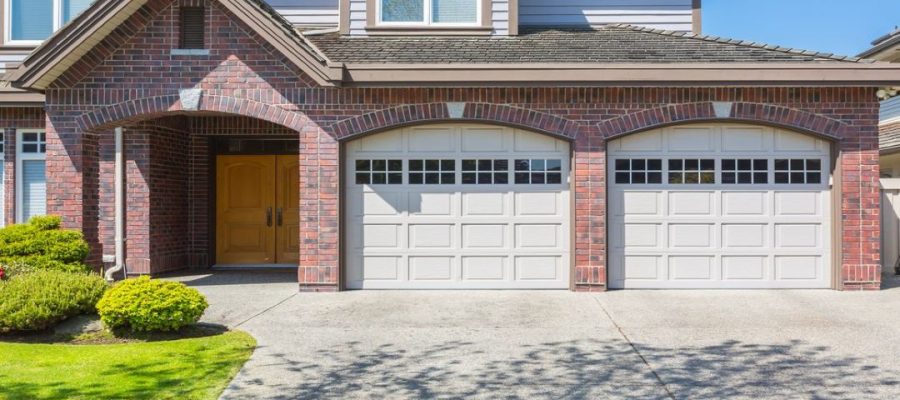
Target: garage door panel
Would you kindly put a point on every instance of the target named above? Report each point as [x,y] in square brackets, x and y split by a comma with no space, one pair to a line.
[691,203]
[744,203]
[804,236]
[431,268]
[546,268]
[429,236]
[692,235]
[484,268]
[507,229]
[736,236]
[542,203]
[440,204]
[798,203]
[484,204]
[484,236]
[764,232]
[691,139]
[744,267]
[691,267]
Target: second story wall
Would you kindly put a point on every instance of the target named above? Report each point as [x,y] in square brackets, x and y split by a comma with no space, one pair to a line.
[309,13]
[676,15]
[496,15]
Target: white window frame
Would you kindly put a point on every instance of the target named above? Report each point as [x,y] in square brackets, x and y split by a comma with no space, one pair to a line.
[427,17]
[21,157]
[7,34]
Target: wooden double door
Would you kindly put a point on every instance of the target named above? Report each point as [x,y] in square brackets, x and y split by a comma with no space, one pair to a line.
[257,209]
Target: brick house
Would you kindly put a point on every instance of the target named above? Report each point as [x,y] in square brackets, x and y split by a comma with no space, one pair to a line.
[422,144]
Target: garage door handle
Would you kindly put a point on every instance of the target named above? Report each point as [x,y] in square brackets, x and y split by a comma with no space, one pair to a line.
[279,217]
[269,217]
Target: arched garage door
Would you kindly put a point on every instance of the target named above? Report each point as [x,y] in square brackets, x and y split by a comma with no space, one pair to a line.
[457,206]
[719,206]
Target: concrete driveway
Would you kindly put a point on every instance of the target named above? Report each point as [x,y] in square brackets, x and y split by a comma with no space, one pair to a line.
[551,344]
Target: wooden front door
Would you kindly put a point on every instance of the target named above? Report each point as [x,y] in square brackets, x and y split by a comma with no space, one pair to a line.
[257,201]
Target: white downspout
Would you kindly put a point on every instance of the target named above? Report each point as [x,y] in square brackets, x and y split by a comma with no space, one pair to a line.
[119,207]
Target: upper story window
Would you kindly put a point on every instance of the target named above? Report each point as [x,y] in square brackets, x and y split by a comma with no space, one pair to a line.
[429,12]
[32,21]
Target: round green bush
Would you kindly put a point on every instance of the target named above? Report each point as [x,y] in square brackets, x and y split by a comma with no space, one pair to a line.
[145,304]
[42,245]
[37,300]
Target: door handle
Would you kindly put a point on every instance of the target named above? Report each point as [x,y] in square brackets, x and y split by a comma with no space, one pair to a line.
[269,217]
[279,217]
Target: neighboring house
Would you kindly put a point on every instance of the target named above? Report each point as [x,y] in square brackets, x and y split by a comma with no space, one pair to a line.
[447,144]
[887,49]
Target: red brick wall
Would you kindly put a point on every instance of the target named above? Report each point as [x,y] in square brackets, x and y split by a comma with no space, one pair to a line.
[244,76]
[12,119]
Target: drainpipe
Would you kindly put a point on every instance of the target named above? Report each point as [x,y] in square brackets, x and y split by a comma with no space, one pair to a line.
[119,207]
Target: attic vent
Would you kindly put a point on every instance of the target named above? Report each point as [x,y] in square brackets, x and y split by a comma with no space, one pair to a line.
[192,28]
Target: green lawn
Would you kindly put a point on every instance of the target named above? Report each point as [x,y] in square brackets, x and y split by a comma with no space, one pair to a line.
[195,368]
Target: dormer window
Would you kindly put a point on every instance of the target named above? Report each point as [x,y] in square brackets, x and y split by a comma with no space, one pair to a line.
[429,12]
[28,22]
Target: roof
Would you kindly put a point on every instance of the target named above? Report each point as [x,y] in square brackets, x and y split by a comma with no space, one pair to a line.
[882,44]
[610,44]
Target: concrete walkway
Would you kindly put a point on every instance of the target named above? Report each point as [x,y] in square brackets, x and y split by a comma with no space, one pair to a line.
[552,344]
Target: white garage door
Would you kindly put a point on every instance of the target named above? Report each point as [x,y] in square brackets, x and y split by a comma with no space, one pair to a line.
[719,206]
[457,207]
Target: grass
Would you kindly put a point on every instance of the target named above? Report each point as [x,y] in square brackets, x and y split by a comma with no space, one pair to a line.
[197,367]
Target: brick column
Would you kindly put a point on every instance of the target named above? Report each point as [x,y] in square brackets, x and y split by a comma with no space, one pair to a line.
[590,211]
[860,210]
[319,204]
[9,175]
[73,179]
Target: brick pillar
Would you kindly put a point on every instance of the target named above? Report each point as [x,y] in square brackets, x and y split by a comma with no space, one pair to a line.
[860,210]
[590,211]
[73,179]
[9,175]
[319,222]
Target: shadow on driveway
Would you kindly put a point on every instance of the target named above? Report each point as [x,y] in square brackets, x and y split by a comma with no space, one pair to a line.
[579,370]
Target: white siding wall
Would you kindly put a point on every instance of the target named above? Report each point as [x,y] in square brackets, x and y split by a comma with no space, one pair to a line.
[312,13]
[660,14]
[10,60]
[890,109]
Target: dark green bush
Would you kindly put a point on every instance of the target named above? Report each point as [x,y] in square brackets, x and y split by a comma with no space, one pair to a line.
[38,300]
[41,245]
[145,304]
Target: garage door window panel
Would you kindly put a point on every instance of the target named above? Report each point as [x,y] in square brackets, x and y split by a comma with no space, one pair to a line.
[745,171]
[485,172]
[538,171]
[379,172]
[432,172]
[692,171]
[798,171]
[638,171]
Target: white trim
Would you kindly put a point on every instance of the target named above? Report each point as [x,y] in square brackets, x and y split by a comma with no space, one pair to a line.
[427,17]
[20,158]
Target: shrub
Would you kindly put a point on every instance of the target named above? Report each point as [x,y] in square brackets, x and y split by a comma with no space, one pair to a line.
[38,300]
[41,245]
[145,305]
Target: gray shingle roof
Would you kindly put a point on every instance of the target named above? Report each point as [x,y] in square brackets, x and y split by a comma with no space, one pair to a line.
[610,44]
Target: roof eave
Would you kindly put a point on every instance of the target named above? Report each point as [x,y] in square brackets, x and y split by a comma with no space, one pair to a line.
[712,74]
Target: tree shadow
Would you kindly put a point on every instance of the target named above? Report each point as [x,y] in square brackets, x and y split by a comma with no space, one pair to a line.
[242,277]
[582,369]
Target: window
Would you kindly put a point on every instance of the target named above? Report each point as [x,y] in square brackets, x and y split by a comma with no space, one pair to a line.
[429,12]
[745,171]
[432,172]
[31,192]
[485,172]
[638,171]
[692,171]
[798,171]
[379,172]
[32,21]
[192,28]
[538,171]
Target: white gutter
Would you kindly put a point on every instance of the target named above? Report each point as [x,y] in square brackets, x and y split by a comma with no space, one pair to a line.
[119,207]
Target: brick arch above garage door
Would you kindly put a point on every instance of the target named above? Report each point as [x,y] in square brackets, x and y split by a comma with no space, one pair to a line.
[740,112]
